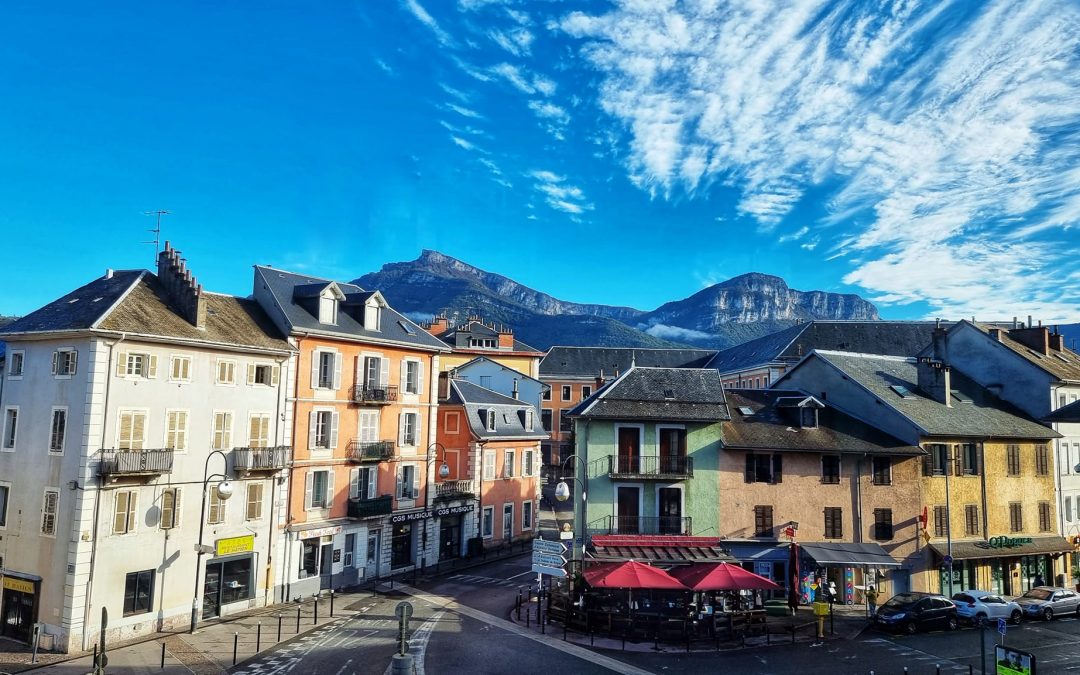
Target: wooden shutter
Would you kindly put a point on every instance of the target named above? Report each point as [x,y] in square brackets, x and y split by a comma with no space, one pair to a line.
[749,473]
[55,362]
[251,373]
[73,367]
[401,428]
[398,481]
[275,375]
[312,419]
[315,359]
[138,430]
[133,501]
[254,427]
[384,372]
[151,366]
[958,460]
[778,468]
[420,378]
[309,478]
[404,375]
[121,364]
[336,383]
[415,483]
[333,430]
[120,508]
[354,483]
[372,482]
[330,488]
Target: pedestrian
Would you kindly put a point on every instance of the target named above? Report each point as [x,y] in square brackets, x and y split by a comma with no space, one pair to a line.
[871,600]
[1039,580]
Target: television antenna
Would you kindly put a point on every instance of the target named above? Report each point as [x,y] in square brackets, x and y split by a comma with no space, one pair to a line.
[156,230]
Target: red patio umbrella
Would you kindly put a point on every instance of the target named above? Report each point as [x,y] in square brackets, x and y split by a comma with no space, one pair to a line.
[720,577]
[631,574]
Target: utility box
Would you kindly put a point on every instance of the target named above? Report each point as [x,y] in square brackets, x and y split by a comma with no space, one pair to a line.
[821,609]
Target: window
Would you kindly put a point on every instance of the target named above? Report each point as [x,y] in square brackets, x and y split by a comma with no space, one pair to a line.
[1016,517]
[369,426]
[883,528]
[136,364]
[263,374]
[309,558]
[1044,516]
[180,368]
[763,521]
[408,429]
[808,418]
[226,372]
[176,425]
[941,521]
[375,372]
[509,457]
[411,380]
[586,391]
[5,493]
[566,392]
[452,423]
[63,362]
[546,394]
[49,503]
[1013,454]
[764,468]
[132,432]
[528,419]
[882,470]
[936,463]
[967,460]
[319,491]
[328,308]
[484,343]
[565,423]
[508,521]
[124,511]
[1068,511]
[485,381]
[971,520]
[545,419]
[350,548]
[527,468]
[1042,460]
[327,369]
[830,469]
[490,421]
[362,483]
[215,513]
[139,592]
[222,431]
[11,427]
[57,429]
[259,430]
[408,482]
[16,361]
[372,315]
[254,501]
[489,465]
[526,516]
[834,522]
[170,507]
[324,429]
[488,522]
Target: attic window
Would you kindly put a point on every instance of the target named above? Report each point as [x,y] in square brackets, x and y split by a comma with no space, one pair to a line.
[1035,353]
[407,328]
[902,391]
[745,410]
[328,309]
[491,420]
[808,418]
[372,315]
[669,394]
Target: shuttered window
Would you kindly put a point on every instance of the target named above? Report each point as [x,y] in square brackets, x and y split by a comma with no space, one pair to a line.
[49,504]
[216,513]
[882,470]
[124,511]
[1042,460]
[180,368]
[226,372]
[57,430]
[834,522]
[176,425]
[259,430]
[170,504]
[64,362]
[763,521]
[764,468]
[254,501]
[509,461]
[1016,517]
[223,422]
[941,521]
[136,364]
[1044,516]
[132,433]
[830,469]
[883,527]
[936,462]
[324,430]
[971,520]
[1012,453]
[967,459]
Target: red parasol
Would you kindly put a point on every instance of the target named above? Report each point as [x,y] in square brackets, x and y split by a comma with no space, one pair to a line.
[721,577]
[631,574]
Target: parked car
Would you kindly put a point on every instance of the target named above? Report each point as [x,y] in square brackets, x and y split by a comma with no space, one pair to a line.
[911,612]
[977,606]
[1046,602]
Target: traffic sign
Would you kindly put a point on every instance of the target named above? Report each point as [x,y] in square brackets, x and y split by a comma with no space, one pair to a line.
[550,547]
[548,560]
[570,535]
[1001,626]
[948,560]
[550,571]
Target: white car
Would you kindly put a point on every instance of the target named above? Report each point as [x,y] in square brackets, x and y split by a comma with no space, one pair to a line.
[977,606]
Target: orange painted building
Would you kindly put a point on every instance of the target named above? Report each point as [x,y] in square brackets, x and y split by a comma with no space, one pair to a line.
[363,411]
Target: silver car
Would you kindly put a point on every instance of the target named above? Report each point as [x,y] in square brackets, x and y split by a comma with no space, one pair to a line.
[1046,602]
[978,606]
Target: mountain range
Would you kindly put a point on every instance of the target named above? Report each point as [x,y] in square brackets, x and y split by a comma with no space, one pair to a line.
[727,313]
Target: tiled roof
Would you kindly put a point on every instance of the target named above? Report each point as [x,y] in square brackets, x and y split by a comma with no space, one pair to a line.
[80,309]
[688,394]
[979,414]
[1068,413]
[479,402]
[1063,364]
[282,286]
[891,338]
[589,361]
[770,426]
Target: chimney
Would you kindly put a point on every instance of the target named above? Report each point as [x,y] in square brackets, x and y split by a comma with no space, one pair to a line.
[1057,340]
[599,380]
[181,287]
[941,349]
[108,273]
[439,325]
[506,338]
[934,374]
[1035,337]
[514,393]
[995,333]
[444,386]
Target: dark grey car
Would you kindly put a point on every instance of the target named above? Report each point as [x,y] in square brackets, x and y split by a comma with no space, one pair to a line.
[1046,602]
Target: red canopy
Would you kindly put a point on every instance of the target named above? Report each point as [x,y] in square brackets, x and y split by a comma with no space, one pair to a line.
[720,577]
[631,574]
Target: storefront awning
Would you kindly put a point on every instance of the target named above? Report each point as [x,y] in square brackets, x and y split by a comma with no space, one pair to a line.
[841,554]
[659,549]
[1002,547]
[758,551]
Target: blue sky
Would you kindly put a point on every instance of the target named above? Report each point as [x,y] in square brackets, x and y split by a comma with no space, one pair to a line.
[924,155]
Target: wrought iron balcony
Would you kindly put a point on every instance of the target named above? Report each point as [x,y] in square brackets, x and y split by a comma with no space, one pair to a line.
[261,459]
[115,463]
[370,508]
[455,489]
[633,467]
[673,525]
[369,451]
[374,394]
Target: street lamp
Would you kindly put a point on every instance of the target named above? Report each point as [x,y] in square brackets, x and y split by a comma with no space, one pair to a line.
[444,473]
[224,490]
[562,493]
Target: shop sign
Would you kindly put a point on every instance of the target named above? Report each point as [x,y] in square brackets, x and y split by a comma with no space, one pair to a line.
[233,545]
[410,517]
[1008,542]
[20,585]
[424,515]
[320,532]
[454,510]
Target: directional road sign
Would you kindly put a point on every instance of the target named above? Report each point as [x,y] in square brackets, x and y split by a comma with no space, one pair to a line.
[550,571]
[548,560]
[550,547]
[1001,626]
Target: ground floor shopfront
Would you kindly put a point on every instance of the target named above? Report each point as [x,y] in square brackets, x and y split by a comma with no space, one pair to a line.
[19,595]
[1007,566]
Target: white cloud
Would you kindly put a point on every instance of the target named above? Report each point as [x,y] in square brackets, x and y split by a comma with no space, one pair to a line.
[462,143]
[384,66]
[423,17]
[518,41]
[558,193]
[464,112]
[666,332]
[456,93]
[794,236]
[524,81]
[929,127]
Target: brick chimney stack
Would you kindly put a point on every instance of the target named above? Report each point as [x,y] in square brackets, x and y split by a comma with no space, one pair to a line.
[183,290]
[506,337]
[439,325]
[1035,337]
[935,377]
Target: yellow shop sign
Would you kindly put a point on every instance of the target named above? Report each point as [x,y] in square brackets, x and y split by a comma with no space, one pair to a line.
[20,585]
[234,545]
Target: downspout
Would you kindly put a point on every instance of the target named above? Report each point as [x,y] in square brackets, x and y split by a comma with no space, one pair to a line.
[97,495]
[279,441]
[286,583]
[858,499]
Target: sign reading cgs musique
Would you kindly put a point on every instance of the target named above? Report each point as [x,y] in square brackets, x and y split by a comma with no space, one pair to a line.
[434,513]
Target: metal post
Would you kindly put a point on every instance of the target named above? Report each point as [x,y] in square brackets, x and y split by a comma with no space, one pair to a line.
[315,604]
[235,646]
[163,656]
[528,618]
[97,668]
[331,603]
[948,516]
[258,637]
[982,646]
[279,627]
[298,619]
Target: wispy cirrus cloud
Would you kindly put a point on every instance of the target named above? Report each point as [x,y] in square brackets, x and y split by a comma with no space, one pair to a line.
[558,193]
[943,131]
[463,111]
[422,15]
[523,80]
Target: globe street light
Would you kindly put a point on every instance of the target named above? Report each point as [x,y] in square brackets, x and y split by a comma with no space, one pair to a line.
[223,490]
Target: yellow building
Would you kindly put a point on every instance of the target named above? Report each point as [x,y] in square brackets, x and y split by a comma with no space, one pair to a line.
[475,338]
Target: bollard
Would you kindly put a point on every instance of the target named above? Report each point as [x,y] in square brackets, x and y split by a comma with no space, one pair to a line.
[938,670]
[331,603]
[258,636]
[279,628]
[235,646]
[298,619]
[315,603]
[528,618]
[163,656]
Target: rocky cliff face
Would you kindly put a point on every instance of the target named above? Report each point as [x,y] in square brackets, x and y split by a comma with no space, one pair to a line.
[719,316]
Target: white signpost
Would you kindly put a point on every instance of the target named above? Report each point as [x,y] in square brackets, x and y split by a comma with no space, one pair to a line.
[548,558]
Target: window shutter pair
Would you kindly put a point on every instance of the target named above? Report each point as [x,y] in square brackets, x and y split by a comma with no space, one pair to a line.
[124,514]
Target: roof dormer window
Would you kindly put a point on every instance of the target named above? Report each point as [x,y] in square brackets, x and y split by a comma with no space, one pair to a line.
[491,422]
[808,417]
[328,309]
[372,314]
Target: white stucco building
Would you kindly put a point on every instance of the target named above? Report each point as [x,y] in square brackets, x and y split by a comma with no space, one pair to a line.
[116,398]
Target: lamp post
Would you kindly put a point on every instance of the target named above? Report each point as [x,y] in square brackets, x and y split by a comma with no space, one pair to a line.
[480,502]
[562,493]
[948,517]
[444,472]
[224,490]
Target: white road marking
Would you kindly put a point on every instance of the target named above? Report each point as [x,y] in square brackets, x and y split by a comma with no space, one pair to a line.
[521,575]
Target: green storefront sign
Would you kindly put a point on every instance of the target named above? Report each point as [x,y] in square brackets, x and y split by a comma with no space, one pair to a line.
[1008,542]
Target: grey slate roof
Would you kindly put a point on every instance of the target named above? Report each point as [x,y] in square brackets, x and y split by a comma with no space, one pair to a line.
[478,329]
[1063,364]
[80,309]
[1068,413]
[891,338]
[589,361]
[984,416]
[282,286]
[684,394]
[479,402]
[772,425]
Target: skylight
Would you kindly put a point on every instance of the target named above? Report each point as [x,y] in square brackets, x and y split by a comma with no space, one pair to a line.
[901,390]
[669,393]
[407,328]
[746,410]
[1035,353]
[959,396]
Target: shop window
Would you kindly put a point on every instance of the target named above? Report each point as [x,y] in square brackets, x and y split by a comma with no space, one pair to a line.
[830,469]
[1012,454]
[401,545]
[834,522]
[764,468]
[941,521]
[1016,517]
[235,578]
[883,525]
[139,592]
[1042,460]
[882,470]
[971,520]
[350,547]
[309,558]
[763,521]
[1044,516]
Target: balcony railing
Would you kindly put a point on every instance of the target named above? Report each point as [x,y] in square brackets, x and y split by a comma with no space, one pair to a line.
[635,466]
[136,462]
[370,508]
[260,459]
[454,489]
[369,451]
[374,395]
[674,525]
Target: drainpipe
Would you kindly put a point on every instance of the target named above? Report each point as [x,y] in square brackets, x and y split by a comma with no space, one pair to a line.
[97,495]
[286,584]
[278,441]
[857,479]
